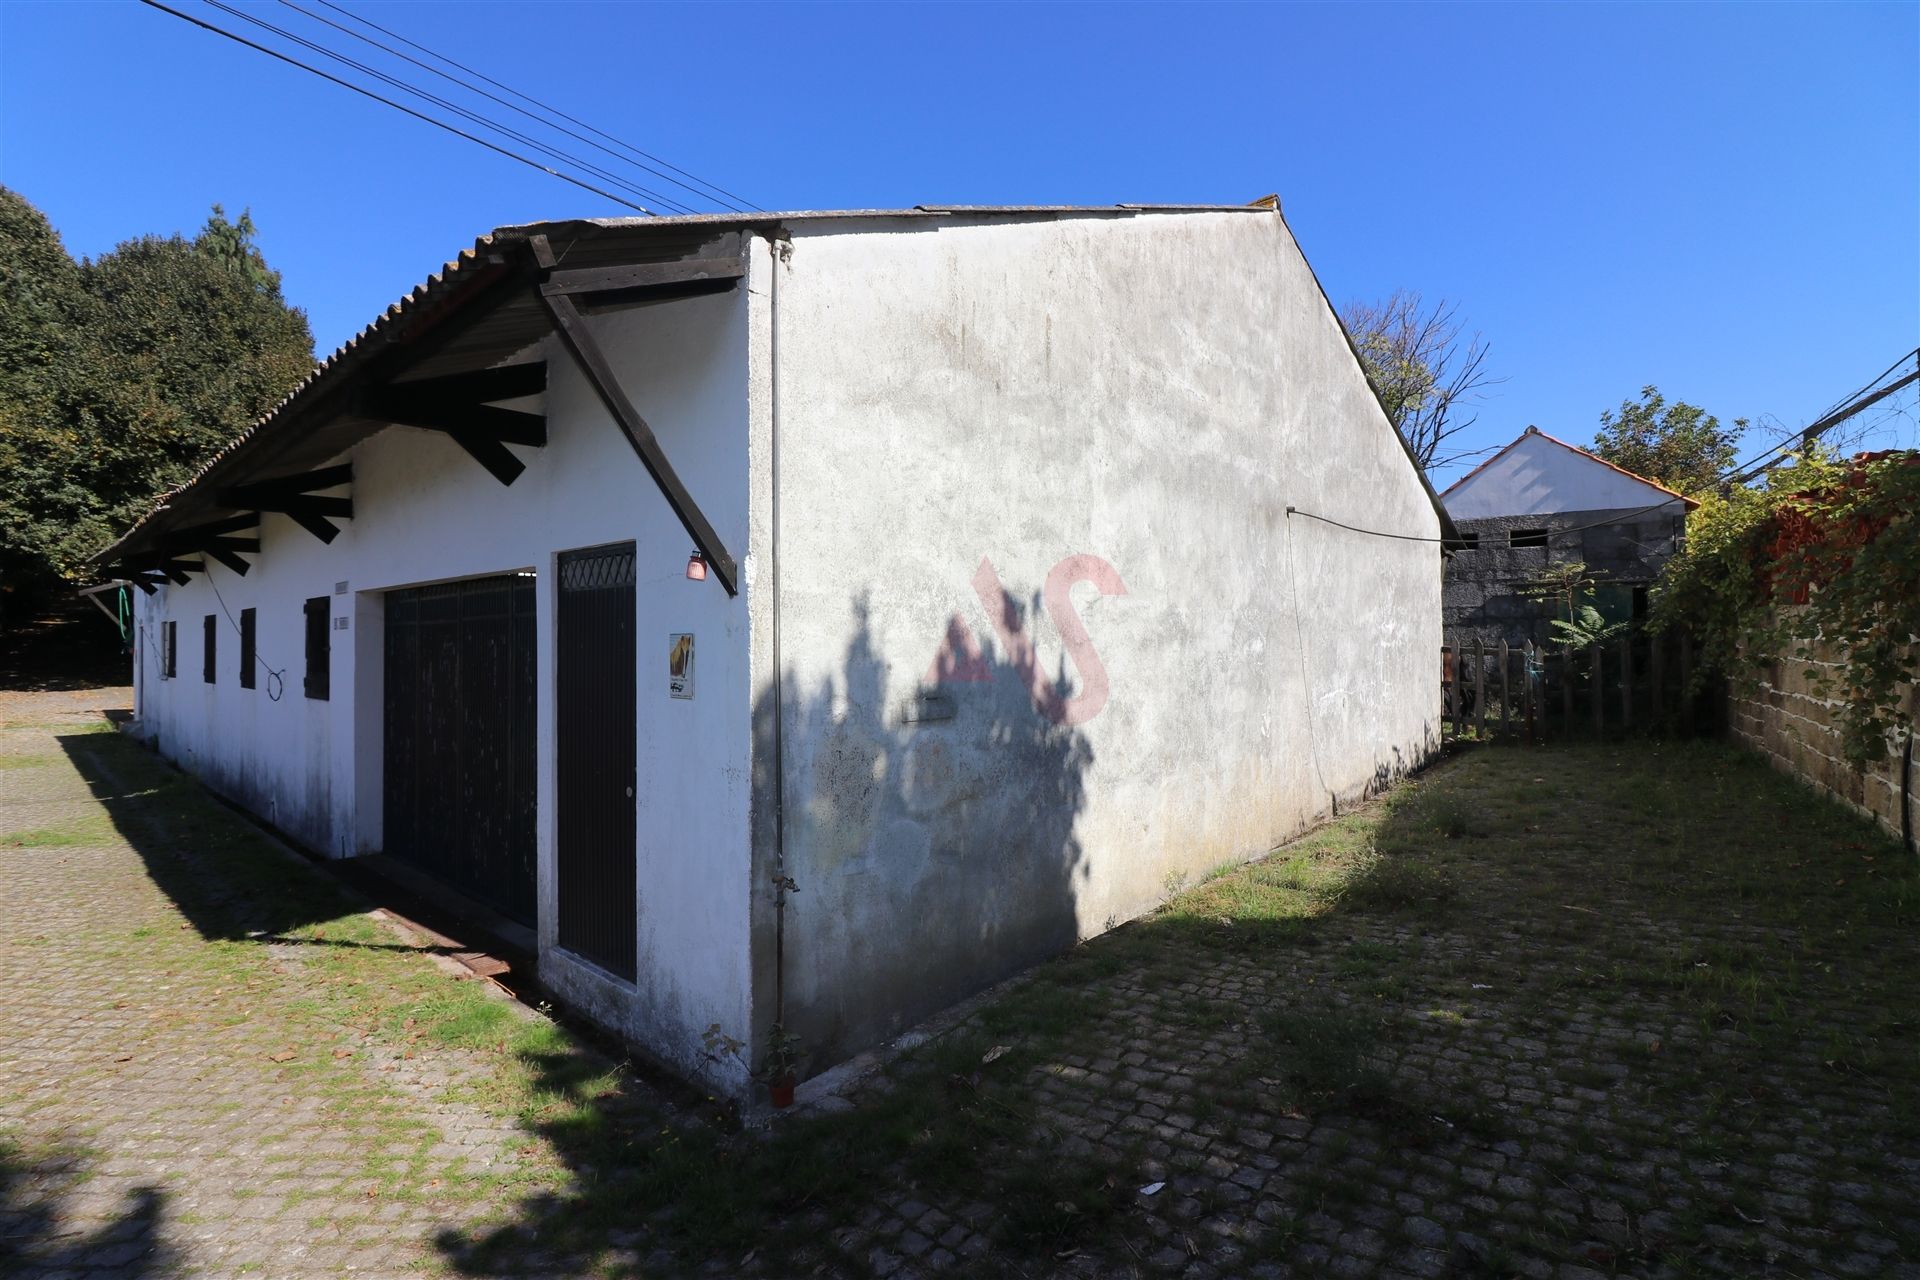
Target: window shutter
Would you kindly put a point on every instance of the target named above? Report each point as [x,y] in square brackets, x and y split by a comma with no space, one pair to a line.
[319,642]
[206,649]
[246,648]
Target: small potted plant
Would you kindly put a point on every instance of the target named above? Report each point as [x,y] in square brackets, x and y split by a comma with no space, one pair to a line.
[780,1064]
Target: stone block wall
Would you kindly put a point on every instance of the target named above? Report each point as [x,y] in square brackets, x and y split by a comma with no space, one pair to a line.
[1789,721]
[1484,592]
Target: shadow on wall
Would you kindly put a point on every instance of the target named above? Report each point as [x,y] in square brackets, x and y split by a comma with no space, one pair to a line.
[929,829]
[38,1233]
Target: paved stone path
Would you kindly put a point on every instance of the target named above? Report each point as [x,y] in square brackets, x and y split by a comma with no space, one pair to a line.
[166,1106]
[1615,1053]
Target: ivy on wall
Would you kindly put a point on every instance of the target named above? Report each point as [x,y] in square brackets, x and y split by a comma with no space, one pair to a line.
[1823,562]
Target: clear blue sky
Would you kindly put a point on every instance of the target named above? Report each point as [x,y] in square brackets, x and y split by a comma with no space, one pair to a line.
[1720,199]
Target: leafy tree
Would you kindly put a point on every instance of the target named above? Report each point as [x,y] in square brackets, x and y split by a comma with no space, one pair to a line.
[1426,371]
[41,302]
[204,344]
[44,308]
[1679,445]
[120,376]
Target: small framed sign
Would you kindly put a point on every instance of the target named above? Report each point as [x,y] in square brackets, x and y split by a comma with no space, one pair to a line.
[680,666]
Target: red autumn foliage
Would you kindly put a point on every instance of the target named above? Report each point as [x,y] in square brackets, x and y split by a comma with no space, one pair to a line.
[1806,542]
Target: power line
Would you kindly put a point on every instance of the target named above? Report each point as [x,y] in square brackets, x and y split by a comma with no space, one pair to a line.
[721,193]
[397,106]
[1737,475]
[731,202]
[1871,382]
[447,105]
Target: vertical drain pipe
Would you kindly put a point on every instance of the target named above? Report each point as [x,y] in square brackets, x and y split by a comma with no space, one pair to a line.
[780,882]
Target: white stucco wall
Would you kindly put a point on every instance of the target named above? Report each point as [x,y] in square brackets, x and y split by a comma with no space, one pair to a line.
[1536,476]
[1055,456]
[1149,394]
[425,512]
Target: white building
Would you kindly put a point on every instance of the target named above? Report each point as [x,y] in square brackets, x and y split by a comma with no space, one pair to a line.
[1006,623]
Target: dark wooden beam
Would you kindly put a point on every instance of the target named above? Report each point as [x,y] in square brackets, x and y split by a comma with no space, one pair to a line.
[193,534]
[246,495]
[508,426]
[216,540]
[314,504]
[456,405]
[592,361]
[478,387]
[175,571]
[228,550]
[497,279]
[310,515]
[491,454]
[293,497]
[591,282]
[147,585]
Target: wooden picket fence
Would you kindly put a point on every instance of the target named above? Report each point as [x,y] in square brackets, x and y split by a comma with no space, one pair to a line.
[1637,683]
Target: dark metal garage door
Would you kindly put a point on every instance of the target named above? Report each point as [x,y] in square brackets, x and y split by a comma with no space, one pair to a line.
[460,737]
[595,760]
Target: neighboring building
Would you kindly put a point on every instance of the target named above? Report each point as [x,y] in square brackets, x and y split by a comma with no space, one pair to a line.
[1542,501]
[1004,625]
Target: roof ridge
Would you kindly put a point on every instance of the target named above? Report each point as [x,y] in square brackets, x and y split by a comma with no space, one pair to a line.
[1585,453]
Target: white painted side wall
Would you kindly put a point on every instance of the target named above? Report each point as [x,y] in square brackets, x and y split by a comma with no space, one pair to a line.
[1537,477]
[425,512]
[1151,391]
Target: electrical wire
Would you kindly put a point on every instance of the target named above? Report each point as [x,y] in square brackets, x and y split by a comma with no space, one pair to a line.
[276,680]
[1354,528]
[1871,384]
[397,106]
[448,105]
[1737,475]
[721,194]
[733,203]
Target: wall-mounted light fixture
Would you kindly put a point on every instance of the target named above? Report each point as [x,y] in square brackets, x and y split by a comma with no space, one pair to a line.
[696,567]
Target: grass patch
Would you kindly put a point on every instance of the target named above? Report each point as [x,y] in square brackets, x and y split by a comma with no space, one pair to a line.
[1381,883]
[92,828]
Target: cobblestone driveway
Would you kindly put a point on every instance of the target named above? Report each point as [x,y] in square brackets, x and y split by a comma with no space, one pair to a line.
[170,1104]
[1635,1011]
[1591,1012]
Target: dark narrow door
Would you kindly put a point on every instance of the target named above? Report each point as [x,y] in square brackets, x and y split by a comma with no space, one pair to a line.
[594,730]
[460,737]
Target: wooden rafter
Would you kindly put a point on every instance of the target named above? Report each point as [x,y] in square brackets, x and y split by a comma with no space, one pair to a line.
[578,338]
[591,282]
[218,540]
[165,567]
[457,406]
[295,498]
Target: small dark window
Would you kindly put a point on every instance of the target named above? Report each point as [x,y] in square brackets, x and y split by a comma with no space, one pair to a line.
[319,645]
[1527,538]
[1465,542]
[169,649]
[206,650]
[246,648]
